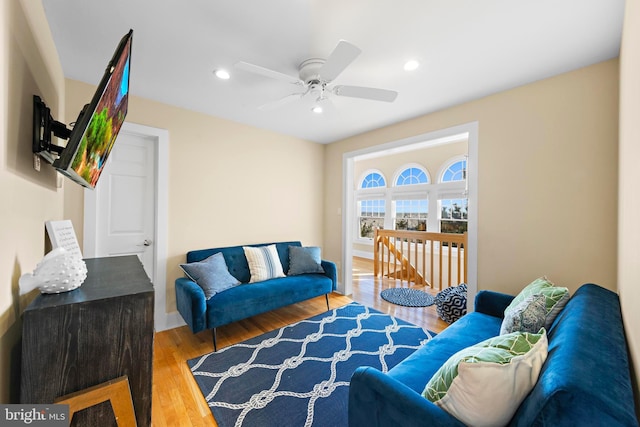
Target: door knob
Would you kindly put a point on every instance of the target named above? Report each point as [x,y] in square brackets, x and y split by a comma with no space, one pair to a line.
[146,242]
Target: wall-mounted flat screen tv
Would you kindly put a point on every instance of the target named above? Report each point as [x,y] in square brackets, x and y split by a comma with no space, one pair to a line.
[99,122]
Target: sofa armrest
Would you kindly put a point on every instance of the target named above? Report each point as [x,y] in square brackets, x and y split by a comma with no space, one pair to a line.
[331,271]
[492,303]
[376,400]
[191,303]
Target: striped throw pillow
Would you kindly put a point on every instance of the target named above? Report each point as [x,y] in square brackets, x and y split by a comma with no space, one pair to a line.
[264,263]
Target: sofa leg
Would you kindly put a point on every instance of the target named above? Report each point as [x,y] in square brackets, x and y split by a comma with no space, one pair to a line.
[215,347]
[326,296]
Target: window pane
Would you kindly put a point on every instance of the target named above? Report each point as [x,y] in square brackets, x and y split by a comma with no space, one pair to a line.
[412,176]
[372,208]
[371,216]
[454,215]
[455,172]
[457,227]
[411,215]
[367,225]
[373,180]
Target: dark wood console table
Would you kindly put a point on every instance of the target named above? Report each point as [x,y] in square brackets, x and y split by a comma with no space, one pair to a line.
[99,332]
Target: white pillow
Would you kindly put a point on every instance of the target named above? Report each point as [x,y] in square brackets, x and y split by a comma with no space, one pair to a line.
[264,262]
[483,385]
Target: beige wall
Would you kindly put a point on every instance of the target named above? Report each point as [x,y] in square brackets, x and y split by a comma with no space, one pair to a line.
[229,184]
[30,66]
[629,207]
[547,178]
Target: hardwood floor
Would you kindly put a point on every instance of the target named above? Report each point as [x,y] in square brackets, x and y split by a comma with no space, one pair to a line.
[177,401]
[366,290]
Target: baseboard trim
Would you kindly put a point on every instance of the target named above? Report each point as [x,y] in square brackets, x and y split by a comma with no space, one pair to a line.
[169,321]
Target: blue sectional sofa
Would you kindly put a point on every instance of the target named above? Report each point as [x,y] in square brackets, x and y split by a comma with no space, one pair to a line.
[247,299]
[585,380]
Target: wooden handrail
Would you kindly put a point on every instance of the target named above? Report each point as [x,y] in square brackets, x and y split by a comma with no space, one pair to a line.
[414,254]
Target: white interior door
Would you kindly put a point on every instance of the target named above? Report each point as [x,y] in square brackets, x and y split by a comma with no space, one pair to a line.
[130,205]
[125,201]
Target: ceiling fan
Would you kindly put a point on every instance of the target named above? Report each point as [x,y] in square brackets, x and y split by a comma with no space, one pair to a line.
[315,75]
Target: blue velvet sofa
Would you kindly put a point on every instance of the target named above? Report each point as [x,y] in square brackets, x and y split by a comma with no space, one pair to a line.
[585,380]
[247,299]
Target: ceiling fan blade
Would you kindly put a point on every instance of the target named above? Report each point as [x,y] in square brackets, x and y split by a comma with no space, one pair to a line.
[256,69]
[280,102]
[366,93]
[340,58]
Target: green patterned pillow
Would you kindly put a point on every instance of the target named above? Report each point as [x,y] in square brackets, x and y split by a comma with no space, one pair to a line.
[555,298]
[483,385]
[528,316]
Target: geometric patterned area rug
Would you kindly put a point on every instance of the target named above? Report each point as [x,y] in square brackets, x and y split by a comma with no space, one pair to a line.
[299,375]
[407,297]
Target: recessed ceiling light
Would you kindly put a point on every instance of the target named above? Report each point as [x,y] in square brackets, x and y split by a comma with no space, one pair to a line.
[222,74]
[411,65]
[317,109]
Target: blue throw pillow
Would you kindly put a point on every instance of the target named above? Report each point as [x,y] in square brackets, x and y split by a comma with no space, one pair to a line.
[211,274]
[304,259]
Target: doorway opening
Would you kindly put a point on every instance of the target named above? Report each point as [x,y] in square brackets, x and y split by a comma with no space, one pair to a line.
[350,219]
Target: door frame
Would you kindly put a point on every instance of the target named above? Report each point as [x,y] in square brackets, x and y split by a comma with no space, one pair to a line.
[348,210]
[160,137]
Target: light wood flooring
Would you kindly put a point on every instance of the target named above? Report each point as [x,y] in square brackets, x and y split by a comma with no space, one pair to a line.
[177,401]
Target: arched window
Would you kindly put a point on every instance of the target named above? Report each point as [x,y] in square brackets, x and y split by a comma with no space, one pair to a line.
[457,171]
[411,209]
[373,180]
[371,205]
[411,176]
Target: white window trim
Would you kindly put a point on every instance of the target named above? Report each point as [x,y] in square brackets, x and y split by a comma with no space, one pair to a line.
[451,190]
[411,192]
[371,193]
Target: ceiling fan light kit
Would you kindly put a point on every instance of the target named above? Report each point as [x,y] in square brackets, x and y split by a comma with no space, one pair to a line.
[222,74]
[315,76]
[411,65]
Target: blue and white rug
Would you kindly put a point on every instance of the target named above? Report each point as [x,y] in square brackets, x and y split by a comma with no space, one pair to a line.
[299,375]
[408,297]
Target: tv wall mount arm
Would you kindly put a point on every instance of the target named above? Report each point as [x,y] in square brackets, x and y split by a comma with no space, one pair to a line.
[44,126]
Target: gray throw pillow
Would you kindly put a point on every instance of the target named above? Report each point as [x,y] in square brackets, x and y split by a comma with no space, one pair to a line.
[211,274]
[528,316]
[304,259]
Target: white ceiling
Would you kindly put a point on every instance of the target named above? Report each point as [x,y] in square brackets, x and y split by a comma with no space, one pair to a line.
[467,49]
